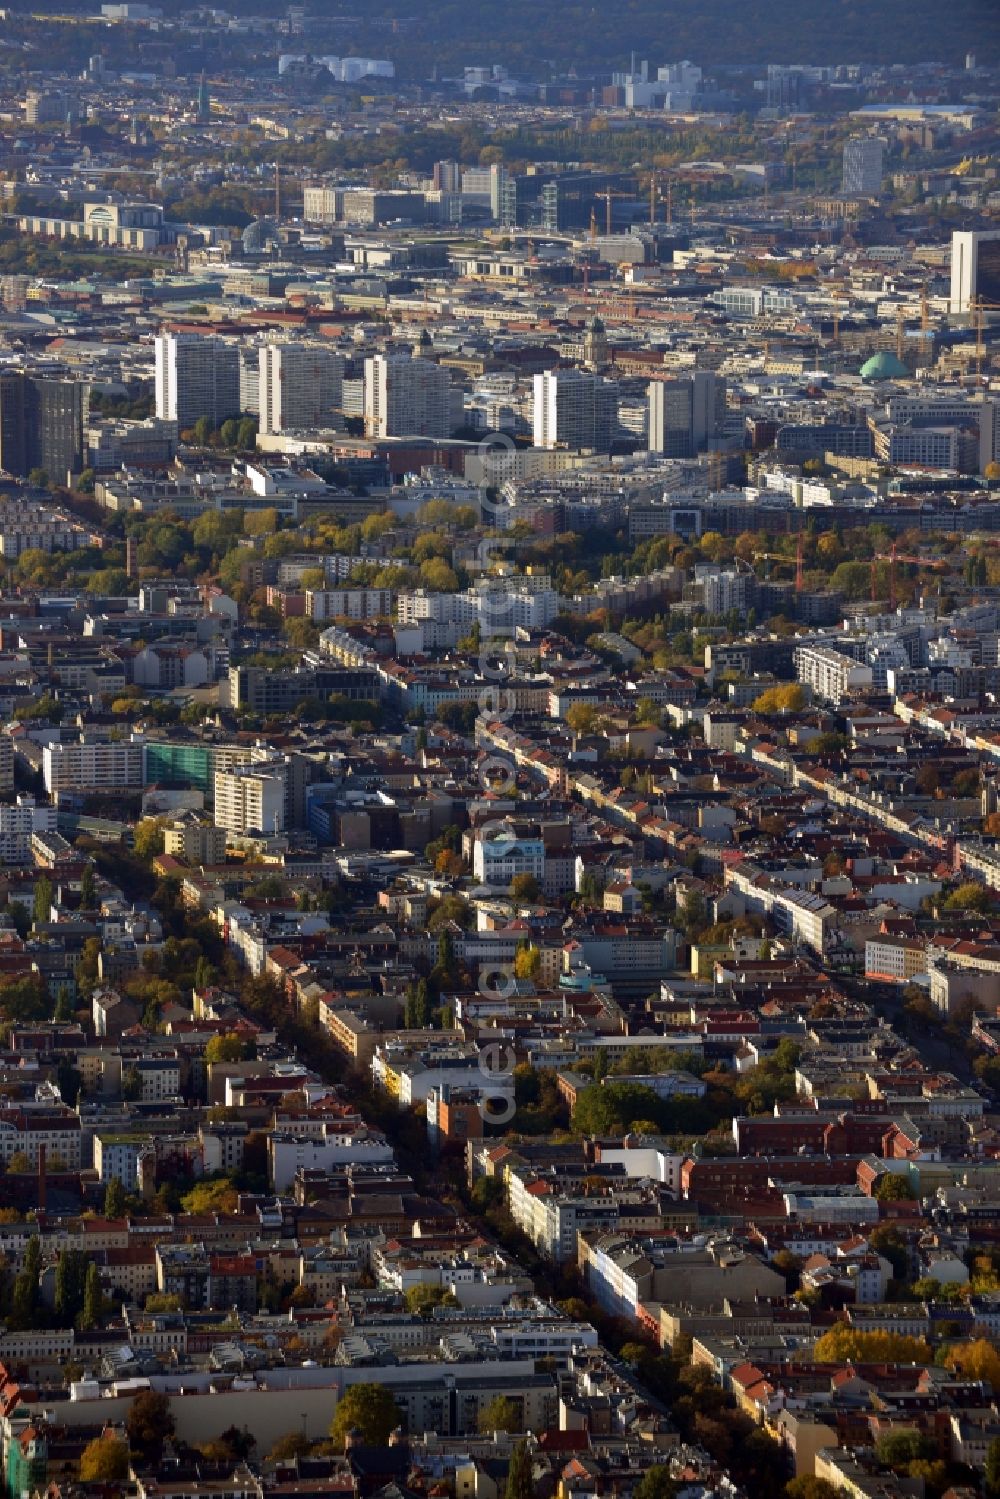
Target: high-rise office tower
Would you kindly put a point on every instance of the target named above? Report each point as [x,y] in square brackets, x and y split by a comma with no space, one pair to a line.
[13,442]
[575,410]
[250,381]
[989,434]
[196,375]
[447,177]
[975,268]
[498,183]
[41,425]
[863,166]
[55,426]
[251,798]
[300,386]
[685,414]
[407,397]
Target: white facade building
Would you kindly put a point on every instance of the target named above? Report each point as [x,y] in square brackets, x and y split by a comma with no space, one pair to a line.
[101,766]
[829,673]
[196,375]
[406,397]
[300,386]
[574,410]
[499,858]
[251,798]
[18,821]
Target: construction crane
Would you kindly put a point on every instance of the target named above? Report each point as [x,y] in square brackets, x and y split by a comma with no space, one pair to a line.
[785,560]
[658,194]
[839,295]
[608,197]
[892,557]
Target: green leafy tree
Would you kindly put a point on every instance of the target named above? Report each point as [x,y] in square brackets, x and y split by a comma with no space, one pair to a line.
[614,1108]
[520,1483]
[451,908]
[226,1048]
[24,1306]
[92,1314]
[693,914]
[500,1415]
[887,1241]
[655,1483]
[423,1299]
[293,1444]
[88,887]
[368,1408]
[894,1188]
[115,1199]
[992,1466]
[446,955]
[147,840]
[149,1424]
[417,1011]
[969,897]
[896,1449]
[42,900]
[24,1000]
[810,1487]
[64,1005]
[211,1197]
[71,1277]
[525,887]
[131,1084]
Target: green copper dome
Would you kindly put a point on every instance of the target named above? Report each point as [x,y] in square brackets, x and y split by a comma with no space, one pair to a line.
[884,366]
